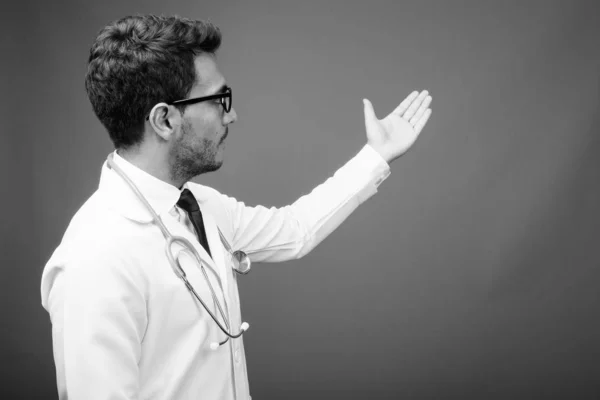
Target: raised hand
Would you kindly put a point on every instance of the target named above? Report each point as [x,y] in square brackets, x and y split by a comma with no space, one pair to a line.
[395,134]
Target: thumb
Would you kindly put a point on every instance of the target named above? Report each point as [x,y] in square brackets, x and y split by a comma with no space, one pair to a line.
[369,112]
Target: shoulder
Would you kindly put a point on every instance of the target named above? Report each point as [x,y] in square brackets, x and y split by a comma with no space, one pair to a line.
[97,235]
[97,248]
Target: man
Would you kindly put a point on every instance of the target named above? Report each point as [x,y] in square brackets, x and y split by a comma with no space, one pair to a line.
[125,324]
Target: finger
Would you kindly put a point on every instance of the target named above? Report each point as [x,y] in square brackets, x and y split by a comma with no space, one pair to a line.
[405,103]
[369,112]
[424,106]
[415,105]
[421,123]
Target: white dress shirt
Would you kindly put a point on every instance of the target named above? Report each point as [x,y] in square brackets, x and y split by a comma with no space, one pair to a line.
[124,325]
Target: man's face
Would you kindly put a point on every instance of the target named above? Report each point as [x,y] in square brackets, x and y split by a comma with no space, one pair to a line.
[198,146]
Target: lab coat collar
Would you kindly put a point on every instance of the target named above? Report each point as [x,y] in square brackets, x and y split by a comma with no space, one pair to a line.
[120,197]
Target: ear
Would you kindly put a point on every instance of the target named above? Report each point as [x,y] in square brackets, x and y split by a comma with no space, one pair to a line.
[165,120]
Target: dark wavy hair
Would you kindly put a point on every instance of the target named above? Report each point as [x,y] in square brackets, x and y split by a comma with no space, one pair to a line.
[138,61]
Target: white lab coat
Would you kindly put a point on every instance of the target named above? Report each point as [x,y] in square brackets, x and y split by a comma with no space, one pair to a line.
[124,326]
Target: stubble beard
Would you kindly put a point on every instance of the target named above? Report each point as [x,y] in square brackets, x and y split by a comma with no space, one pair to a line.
[190,158]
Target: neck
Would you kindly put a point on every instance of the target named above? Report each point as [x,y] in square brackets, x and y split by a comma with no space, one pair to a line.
[154,163]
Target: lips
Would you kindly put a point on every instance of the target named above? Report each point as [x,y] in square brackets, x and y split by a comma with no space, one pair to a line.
[224,136]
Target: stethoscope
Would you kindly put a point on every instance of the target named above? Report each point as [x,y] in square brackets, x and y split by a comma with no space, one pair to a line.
[241,262]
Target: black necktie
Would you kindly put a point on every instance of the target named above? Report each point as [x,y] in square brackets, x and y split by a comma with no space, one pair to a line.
[188,202]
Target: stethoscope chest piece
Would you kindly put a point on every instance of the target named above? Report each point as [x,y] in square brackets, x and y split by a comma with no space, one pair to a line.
[241,262]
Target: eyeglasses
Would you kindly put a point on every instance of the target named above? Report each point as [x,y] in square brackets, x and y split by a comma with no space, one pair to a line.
[223,97]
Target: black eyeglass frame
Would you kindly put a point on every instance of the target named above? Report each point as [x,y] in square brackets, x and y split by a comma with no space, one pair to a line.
[221,96]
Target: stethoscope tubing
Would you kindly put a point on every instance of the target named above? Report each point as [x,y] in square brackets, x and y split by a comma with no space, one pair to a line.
[188,247]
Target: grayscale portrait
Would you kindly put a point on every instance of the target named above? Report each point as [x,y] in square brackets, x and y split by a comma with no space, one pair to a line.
[301,199]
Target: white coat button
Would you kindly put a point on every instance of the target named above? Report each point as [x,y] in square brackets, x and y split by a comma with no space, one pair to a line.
[236,355]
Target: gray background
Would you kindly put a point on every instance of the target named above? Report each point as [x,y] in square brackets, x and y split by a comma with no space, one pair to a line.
[473,273]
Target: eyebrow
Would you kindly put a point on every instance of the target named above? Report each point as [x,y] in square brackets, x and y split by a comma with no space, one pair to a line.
[222,89]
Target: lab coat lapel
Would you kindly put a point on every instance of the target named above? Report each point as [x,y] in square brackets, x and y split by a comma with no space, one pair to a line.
[216,247]
[204,256]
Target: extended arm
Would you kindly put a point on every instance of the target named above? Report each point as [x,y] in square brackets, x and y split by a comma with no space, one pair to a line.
[279,234]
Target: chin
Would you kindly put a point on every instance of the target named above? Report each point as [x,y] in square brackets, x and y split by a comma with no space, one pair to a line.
[215,165]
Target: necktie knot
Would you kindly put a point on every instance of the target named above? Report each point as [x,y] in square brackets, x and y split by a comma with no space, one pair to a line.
[188,202]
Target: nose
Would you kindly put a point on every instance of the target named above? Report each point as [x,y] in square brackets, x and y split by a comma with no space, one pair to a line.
[230,117]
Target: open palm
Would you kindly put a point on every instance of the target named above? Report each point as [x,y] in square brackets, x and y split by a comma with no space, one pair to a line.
[396,133]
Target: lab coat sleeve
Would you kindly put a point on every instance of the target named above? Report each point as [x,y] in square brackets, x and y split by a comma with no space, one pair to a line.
[103,312]
[280,234]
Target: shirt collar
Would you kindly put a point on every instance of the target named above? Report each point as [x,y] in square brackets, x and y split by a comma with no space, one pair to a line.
[161,195]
